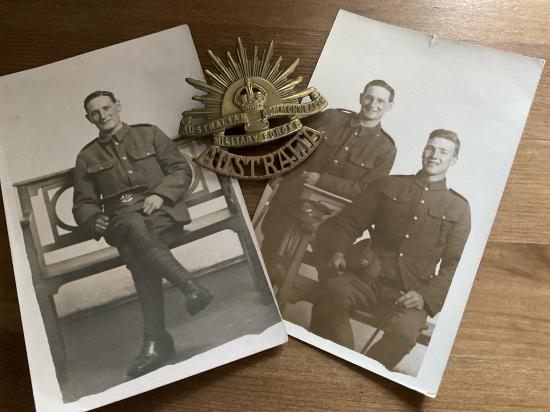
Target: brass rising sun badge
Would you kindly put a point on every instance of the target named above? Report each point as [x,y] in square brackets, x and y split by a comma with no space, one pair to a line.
[241,99]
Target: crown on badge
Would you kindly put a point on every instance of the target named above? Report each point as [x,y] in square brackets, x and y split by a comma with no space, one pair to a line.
[251,96]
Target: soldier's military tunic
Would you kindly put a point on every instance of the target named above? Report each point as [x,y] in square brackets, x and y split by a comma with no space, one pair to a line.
[350,158]
[415,225]
[140,155]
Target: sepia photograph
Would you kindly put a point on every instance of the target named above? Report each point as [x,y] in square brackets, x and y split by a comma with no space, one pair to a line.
[135,267]
[372,245]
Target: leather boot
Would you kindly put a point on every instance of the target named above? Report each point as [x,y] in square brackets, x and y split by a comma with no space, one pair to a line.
[198,297]
[153,354]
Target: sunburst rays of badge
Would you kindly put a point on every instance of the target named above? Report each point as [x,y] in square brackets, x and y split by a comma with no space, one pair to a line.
[241,68]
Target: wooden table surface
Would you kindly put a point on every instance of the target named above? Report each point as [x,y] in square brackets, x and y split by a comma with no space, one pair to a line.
[501,357]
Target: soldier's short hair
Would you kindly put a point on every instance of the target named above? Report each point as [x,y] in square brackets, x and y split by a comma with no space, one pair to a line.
[448,135]
[381,83]
[98,93]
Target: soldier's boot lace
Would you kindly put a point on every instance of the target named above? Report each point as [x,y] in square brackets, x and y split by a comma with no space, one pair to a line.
[198,297]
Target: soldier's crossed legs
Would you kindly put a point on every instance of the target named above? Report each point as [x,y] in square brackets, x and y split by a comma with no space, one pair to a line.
[330,317]
[143,245]
[134,234]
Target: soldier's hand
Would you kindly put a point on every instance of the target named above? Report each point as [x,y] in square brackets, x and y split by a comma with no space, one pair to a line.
[411,300]
[311,178]
[338,262]
[152,203]
[101,224]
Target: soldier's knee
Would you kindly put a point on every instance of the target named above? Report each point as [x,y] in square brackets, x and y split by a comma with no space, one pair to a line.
[129,221]
[337,295]
[403,332]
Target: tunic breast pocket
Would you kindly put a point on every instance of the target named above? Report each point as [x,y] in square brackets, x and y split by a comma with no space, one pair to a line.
[101,168]
[145,159]
[359,167]
[442,221]
[393,211]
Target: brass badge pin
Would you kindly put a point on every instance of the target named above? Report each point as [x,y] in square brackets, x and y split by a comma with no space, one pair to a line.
[241,98]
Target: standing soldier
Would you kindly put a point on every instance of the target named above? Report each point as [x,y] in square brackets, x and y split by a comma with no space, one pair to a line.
[416,223]
[356,152]
[128,187]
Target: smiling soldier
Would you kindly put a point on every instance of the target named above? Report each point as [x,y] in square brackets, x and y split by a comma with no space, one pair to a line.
[355,153]
[128,188]
[416,224]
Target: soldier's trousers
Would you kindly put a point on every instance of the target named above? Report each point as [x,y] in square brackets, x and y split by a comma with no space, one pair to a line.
[275,223]
[330,317]
[135,235]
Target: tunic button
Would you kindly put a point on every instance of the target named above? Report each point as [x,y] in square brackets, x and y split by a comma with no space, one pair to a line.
[148,153]
[444,217]
[415,217]
[356,133]
[130,171]
[363,164]
[426,188]
[124,158]
[116,143]
[400,254]
[407,236]
[346,148]
[422,201]
[364,262]
[100,167]
[335,161]
[394,198]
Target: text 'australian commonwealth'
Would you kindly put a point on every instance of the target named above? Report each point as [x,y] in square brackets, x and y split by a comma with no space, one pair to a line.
[296,109]
[214,125]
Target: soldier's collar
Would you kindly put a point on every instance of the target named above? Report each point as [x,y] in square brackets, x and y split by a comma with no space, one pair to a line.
[421,180]
[354,123]
[118,135]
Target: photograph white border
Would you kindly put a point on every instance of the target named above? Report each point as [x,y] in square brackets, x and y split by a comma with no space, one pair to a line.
[357,51]
[46,390]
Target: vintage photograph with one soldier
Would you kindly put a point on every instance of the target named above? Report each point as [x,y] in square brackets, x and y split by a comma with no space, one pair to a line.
[135,266]
[372,245]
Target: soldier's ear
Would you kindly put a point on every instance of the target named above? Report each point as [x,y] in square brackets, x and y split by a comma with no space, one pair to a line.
[118,106]
[87,116]
[453,161]
[361,97]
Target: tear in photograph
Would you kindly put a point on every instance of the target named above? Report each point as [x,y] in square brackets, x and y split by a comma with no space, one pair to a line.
[372,245]
[135,267]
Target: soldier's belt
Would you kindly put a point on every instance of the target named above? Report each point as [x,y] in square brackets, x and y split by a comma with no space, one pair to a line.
[127,200]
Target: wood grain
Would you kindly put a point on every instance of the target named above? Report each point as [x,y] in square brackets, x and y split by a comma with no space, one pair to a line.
[500,360]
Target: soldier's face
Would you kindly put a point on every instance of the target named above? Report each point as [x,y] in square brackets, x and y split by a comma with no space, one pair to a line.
[375,102]
[438,156]
[104,113]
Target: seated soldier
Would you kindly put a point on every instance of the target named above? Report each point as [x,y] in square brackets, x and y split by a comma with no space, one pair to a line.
[128,187]
[357,151]
[418,223]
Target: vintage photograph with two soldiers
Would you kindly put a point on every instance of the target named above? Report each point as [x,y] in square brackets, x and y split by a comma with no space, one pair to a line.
[372,244]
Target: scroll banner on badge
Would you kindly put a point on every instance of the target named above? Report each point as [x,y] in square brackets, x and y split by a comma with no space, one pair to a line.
[236,119]
[282,160]
[269,135]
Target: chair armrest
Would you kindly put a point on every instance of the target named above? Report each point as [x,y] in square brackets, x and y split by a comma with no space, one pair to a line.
[329,195]
[26,220]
